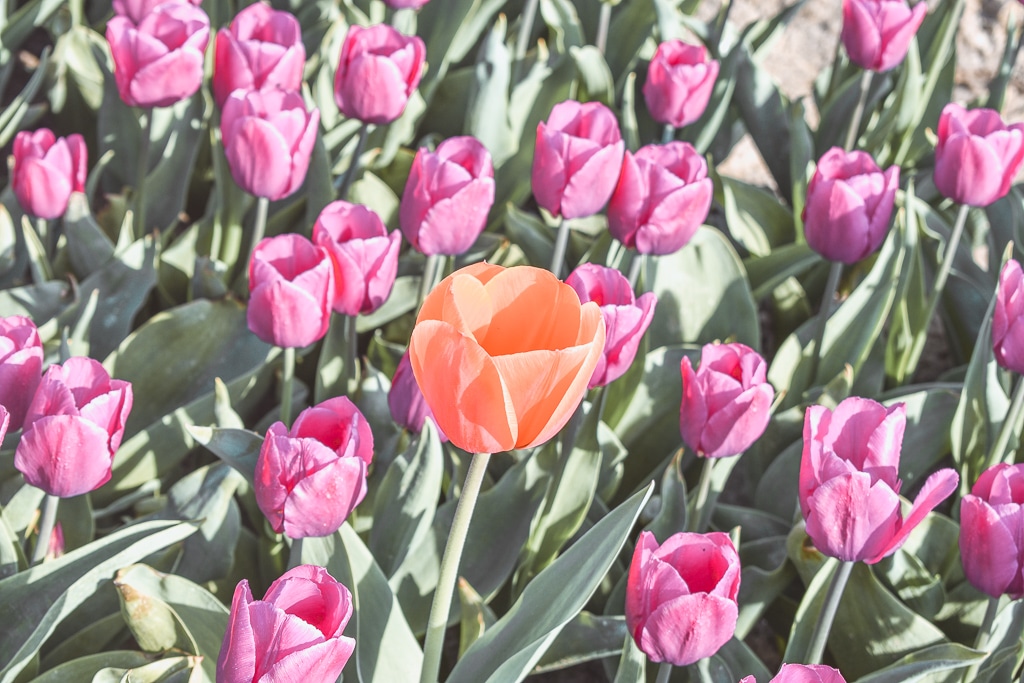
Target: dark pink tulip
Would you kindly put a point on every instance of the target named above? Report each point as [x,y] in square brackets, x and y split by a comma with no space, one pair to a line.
[681,597]
[261,49]
[365,256]
[991,519]
[663,196]
[73,427]
[577,159]
[877,33]
[804,673]
[21,362]
[405,400]
[293,634]
[977,155]
[626,317]
[849,205]
[1008,319]
[447,196]
[268,137]
[309,478]
[159,61]
[849,481]
[47,169]
[379,70]
[726,402]
[136,9]
[291,291]
[680,79]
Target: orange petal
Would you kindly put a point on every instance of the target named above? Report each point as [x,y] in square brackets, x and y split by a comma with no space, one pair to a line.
[532,310]
[433,304]
[467,306]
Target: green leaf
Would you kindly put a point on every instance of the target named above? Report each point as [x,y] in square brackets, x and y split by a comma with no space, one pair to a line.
[632,664]
[476,617]
[83,668]
[919,665]
[239,448]
[587,637]
[487,110]
[756,219]
[595,76]
[89,248]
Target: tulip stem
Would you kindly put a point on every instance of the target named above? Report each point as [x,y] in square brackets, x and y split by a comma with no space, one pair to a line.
[48,519]
[353,166]
[668,134]
[858,111]
[947,259]
[287,374]
[142,171]
[702,516]
[981,640]
[429,275]
[828,612]
[1011,420]
[437,622]
[664,672]
[523,37]
[351,355]
[295,554]
[831,287]
[561,242]
[603,21]
[635,268]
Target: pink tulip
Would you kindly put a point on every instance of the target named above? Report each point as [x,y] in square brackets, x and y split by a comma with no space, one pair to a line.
[877,33]
[159,61]
[626,317]
[577,159]
[977,155]
[680,79]
[1008,318]
[803,673]
[681,597]
[5,422]
[136,9]
[726,403]
[365,256]
[293,634]
[268,137]
[408,408]
[262,49]
[991,519]
[309,478]
[662,198]
[73,427]
[46,170]
[447,197]
[849,205]
[379,70]
[849,481]
[21,361]
[291,291]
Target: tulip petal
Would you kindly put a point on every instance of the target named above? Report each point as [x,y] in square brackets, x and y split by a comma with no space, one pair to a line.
[732,430]
[532,310]
[989,550]
[851,519]
[237,660]
[64,455]
[321,501]
[251,144]
[939,486]
[689,628]
[320,662]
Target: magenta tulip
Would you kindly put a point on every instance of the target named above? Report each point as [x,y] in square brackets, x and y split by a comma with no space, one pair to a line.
[726,402]
[681,597]
[379,70]
[877,33]
[46,170]
[447,196]
[849,481]
[662,198]
[977,155]
[803,673]
[73,427]
[991,519]
[1008,318]
[136,9]
[293,634]
[408,408]
[680,79]
[21,362]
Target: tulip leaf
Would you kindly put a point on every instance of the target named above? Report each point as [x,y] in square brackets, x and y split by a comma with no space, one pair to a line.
[239,448]
[530,234]
[83,668]
[40,302]
[105,629]
[475,618]
[88,246]
[177,131]
[595,77]
[632,664]
[926,661]
[758,221]
[12,559]
[487,108]
[586,638]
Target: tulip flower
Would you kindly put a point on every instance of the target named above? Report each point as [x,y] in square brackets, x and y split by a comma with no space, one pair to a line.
[291,291]
[577,159]
[504,355]
[46,170]
[877,33]
[5,422]
[681,596]
[137,9]
[268,138]
[21,362]
[662,198]
[379,70]
[680,79]
[261,49]
[309,478]
[408,408]
[447,196]
[849,205]
[803,673]
[726,402]
[626,317]
[1008,318]
[364,255]
[849,481]
[73,427]
[159,60]
[991,517]
[977,155]
[293,634]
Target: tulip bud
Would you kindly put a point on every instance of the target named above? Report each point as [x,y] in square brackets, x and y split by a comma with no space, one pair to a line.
[803,673]
[1008,319]
[379,70]
[21,362]
[46,170]
[877,33]
[977,155]
[990,521]
[408,408]
[680,79]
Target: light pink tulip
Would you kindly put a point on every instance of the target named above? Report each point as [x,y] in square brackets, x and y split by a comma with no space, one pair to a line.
[991,520]
[21,362]
[877,33]
[379,70]
[679,82]
[46,170]
[1008,318]
[405,400]
[849,481]
[803,673]
[977,155]
[136,9]
[293,634]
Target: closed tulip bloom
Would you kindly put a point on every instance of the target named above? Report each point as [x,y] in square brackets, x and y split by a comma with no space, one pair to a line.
[679,82]
[662,198]
[379,70]
[803,673]
[877,33]
[1008,318]
[408,408]
[577,159]
[21,362]
[504,355]
[268,137]
[849,481]
[849,205]
[726,402]
[293,634]
[681,596]
[261,49]
[991,519]
[626,317]
[136,9]
[46,170]
[291,291]
[73,427]
[447,196]
[309,478]
[365,256]
[159,61]
[977,155]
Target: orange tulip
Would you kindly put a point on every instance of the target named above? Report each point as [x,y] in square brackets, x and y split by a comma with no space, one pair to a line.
[504,355]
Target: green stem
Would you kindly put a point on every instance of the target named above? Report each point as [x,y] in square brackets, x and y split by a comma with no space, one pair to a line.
[947,260]
[831,287]
[353,167]
[295,555]
[561,242]
[828,613]
[668,134]
[429,275]
[259,228]
[46,523]
[664,672]
[142,169]
[287,375]
[46,239]
[635,268]
[701,516]
[523,37]
[1012,418]
[603,21]
[981,640]
[351,355]
[858,111]
[437,622]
